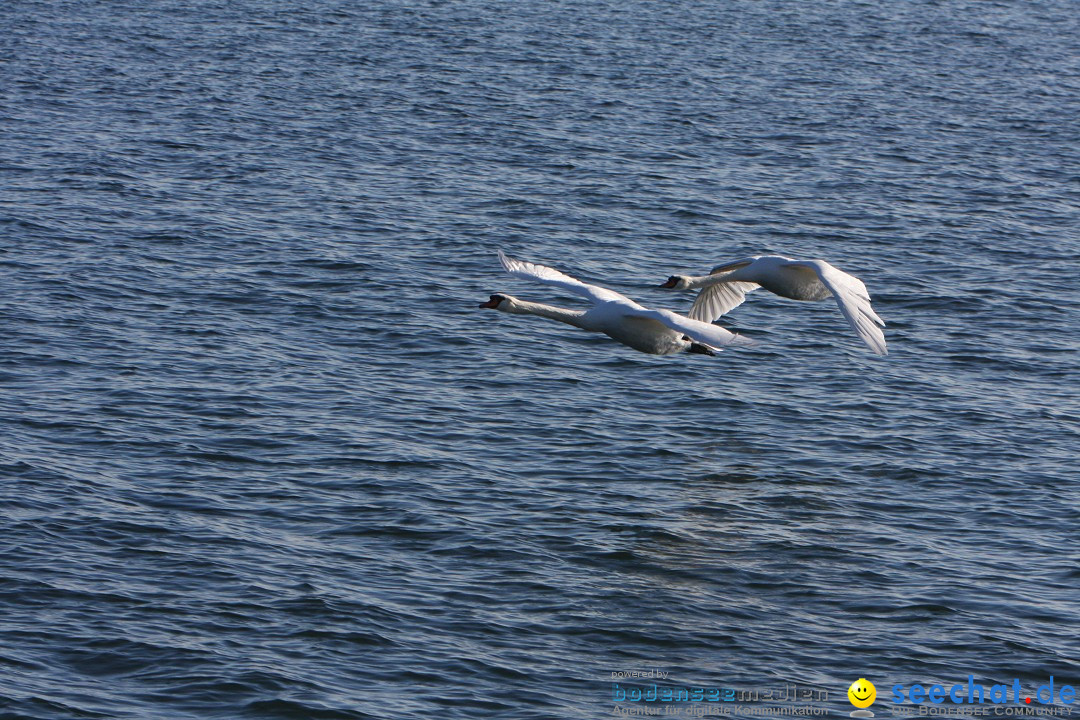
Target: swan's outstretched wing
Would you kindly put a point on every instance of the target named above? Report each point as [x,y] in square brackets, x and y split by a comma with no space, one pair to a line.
[552,276]
[733,265]
[719,299]
[702,332]
[854,302]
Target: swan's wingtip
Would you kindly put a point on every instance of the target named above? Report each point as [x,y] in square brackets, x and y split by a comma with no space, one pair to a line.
[878,348]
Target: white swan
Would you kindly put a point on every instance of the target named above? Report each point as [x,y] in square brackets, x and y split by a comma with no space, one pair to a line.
[726,287]
[659,332]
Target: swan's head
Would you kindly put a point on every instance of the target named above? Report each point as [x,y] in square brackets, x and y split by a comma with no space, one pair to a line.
[498,302]
[676,282]
[697,348]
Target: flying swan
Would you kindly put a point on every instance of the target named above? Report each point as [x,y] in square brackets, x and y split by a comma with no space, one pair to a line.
[725,288]
[659,332]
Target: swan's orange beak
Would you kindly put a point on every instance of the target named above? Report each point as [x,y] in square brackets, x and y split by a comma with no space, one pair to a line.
[670,282]
[493,303]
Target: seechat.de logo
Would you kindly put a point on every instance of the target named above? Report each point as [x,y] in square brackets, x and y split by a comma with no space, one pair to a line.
[973,693]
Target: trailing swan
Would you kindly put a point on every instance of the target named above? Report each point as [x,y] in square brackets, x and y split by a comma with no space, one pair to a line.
[726,287]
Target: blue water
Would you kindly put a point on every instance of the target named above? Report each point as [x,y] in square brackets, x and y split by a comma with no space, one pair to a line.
[262,456]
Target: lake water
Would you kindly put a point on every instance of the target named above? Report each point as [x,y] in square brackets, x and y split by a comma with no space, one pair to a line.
[262,456]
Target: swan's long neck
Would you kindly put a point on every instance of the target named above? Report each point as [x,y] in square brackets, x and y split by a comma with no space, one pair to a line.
[693,283]
[572,317]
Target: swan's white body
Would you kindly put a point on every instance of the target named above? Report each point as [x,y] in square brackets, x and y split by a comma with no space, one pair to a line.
[658,332]
[725,288]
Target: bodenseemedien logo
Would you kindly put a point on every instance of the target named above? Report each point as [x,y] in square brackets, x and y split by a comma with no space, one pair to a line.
[862,694]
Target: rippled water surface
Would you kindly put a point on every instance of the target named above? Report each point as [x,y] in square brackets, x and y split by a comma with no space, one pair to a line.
[263,456]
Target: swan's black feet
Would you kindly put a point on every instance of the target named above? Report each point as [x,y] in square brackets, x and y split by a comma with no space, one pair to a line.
[699,349]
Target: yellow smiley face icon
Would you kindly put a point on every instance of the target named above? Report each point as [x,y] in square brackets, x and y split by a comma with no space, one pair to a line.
[862,693]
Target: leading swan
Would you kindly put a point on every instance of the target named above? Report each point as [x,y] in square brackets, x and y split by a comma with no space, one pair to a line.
[725,288]
[659,332]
